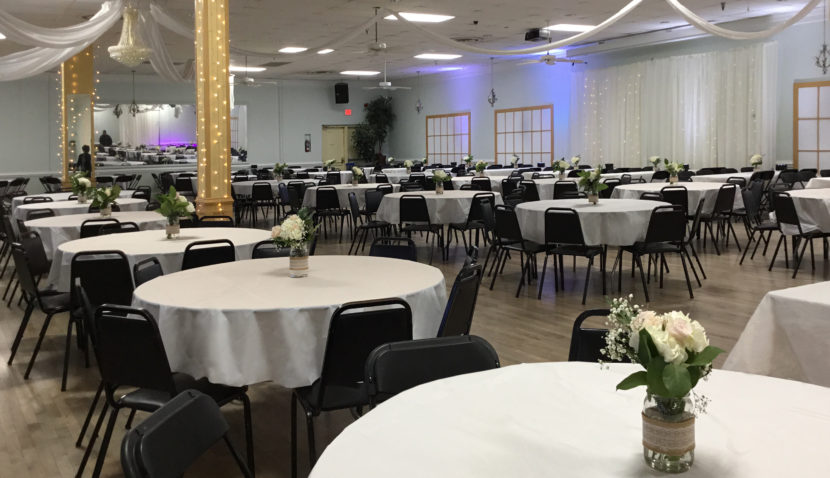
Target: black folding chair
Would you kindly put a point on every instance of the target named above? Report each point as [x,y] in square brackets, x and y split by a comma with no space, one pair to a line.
[394,248]
[586,344]
[147,270]
[206,253]
[267,249]
[92,227]
[458,314]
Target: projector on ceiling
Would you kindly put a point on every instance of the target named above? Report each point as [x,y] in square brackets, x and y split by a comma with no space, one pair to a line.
[537,34]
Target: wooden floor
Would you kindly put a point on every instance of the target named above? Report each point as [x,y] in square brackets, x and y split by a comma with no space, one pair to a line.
[39,424]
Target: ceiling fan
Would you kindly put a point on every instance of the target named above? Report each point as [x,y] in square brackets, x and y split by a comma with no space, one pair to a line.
[250,81]
[386,85]
[551,60]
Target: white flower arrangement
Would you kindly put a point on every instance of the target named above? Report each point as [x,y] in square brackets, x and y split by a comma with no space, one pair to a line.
[80,183]
[655,160]
[357,172]
[480,166]
[673,348]
[756,160]
[425,160]
[513,160]
[560,165]
[390,160]
[103,198]
[590,181]
[440,176]
[468,159]
[575,161]
[407,164]
[173,206]
[672,167]
[295,230]
[329,163]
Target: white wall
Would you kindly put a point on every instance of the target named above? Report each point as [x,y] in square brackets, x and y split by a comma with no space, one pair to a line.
[516,86]
[29,112]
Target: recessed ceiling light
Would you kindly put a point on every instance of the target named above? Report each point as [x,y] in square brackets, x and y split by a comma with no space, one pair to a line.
[421,17]
[437,56]
[360,73]
[250,69]
[293,49]
[325,51]
[2,37]
[569,27]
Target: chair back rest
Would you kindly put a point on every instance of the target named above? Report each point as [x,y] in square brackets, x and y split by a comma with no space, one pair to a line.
[507,225]
[385,188]
[483,184]
[660,176]
[143,192]
[381,178]
[587,343]
[327,198]
[184,184]
[395,367]
[394,248]
[104,275]
[413,209]
[333,177]
[507,186]
[458,315]
[373,198]
[649,196]
[39,214]
[25,276]
[267,249]
[562,226]
[36,199]
[737,180]
[127,226]
[561,188]
[216,221]
[725,200]
[191,423]
[474,214]
[531,193]
[92,227]
[147,270]
[130,352]
[677,195]
[785,211]
[356,329]
[262,191]
[35,252]
[206,253]
[667,224]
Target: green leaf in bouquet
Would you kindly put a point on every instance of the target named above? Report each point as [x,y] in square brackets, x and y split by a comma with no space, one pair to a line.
[677,380]
[705,357]
[644,350]
[654,370]
[694,374]
[636,379]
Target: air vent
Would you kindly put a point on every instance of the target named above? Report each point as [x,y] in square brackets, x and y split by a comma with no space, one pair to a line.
[319,72]
[471,39]
[273,64]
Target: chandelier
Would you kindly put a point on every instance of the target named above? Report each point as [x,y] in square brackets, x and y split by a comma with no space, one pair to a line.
[130,50]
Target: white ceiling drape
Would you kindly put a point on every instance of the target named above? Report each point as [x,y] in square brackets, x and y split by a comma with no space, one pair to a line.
[84,33]
[709,109]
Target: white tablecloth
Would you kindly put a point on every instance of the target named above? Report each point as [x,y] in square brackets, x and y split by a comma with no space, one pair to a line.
[818,183]
[696,192]
[788,336]
[449,208]
[63,208]
[18,200]
[613,222]
[498,173]
[458,181]
[345,176]
[343,190]
[565,419]
[60,229]
[813,207]
[138,246]
[245,188]
[392,177]
[722,178]
[247,322]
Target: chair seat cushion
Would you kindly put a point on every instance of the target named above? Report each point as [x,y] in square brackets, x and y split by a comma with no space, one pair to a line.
[526,246]
[337,397]
[55,301]
[576,250]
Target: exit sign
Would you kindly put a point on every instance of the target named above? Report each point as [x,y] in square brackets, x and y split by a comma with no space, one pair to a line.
[348,112]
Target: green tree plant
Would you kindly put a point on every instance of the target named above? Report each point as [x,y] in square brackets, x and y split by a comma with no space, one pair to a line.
[378,122]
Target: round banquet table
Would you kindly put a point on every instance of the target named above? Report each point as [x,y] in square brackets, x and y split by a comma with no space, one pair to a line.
[452,207]
[566,419]
[63,196]
[63,208]
[707,191]
[245,188]
[498,173]
[138,246]
[722,178]
[818,183]
[458,181]
[343,190]
[391,177]
[246,322]
[611,222]
[813,207]
[59,229]
[345,176]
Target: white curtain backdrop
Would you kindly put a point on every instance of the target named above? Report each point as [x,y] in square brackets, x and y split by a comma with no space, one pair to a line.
[708,109]
[142,128]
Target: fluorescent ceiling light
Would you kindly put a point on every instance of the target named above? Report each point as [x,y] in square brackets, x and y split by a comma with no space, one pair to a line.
[569,27]
[293,49]
[421,17]
[360,73]
[437,56]
[250,69]
[2,37]
[325,51]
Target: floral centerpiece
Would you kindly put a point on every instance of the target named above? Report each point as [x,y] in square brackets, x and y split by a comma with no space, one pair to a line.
[327,164]
[513,160]
[675,353]
[173,206]
[756,160]
[425,160]
[655,162]
[295,232]
[357,173]
[408,165]
[390,160]
[575,161]
[81,186]
[439,177]
[279,171]
[103,198]
[559,167]
[672,168]
[590,181]
[480,167]
[468,159]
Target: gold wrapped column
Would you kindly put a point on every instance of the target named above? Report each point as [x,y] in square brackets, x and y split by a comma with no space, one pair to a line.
[213,132]
[77,102]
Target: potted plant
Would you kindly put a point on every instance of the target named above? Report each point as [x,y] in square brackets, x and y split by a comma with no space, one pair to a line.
[591,182]
[439,177]
[103,198]
[295,233]
[672,168]
[370,135]
[756,160]
[279,170]
[357,173]
[675,353]
[173,206]
[480,167]
[80,186]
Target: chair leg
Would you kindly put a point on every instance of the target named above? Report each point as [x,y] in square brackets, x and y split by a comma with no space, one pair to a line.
[249,432]
[542,279]
[639,262]
[734,236]
[751,235]
[66,354]
[130,419]
[797,259]
[23,323]
[692,266]
[92,440]
[587,279]
[105,443]
[686,273]
[37,345]
[293,435]
[312,447]
[89,414]
[500,256]
[775,254]
[525,271]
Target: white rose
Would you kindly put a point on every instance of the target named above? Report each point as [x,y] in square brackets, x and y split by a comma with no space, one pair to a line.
[84,182]
[275,232]
[181,199]
[697,340]
[669,349]
[108,191]
[646,319]
[190,208]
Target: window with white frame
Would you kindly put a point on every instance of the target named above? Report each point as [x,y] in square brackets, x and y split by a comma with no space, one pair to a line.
[526,132]
[448,137]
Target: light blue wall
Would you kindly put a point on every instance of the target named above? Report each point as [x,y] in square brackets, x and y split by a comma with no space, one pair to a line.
[29,112]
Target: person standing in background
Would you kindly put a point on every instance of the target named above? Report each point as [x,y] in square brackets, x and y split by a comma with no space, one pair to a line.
[105,139]
[84,163]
